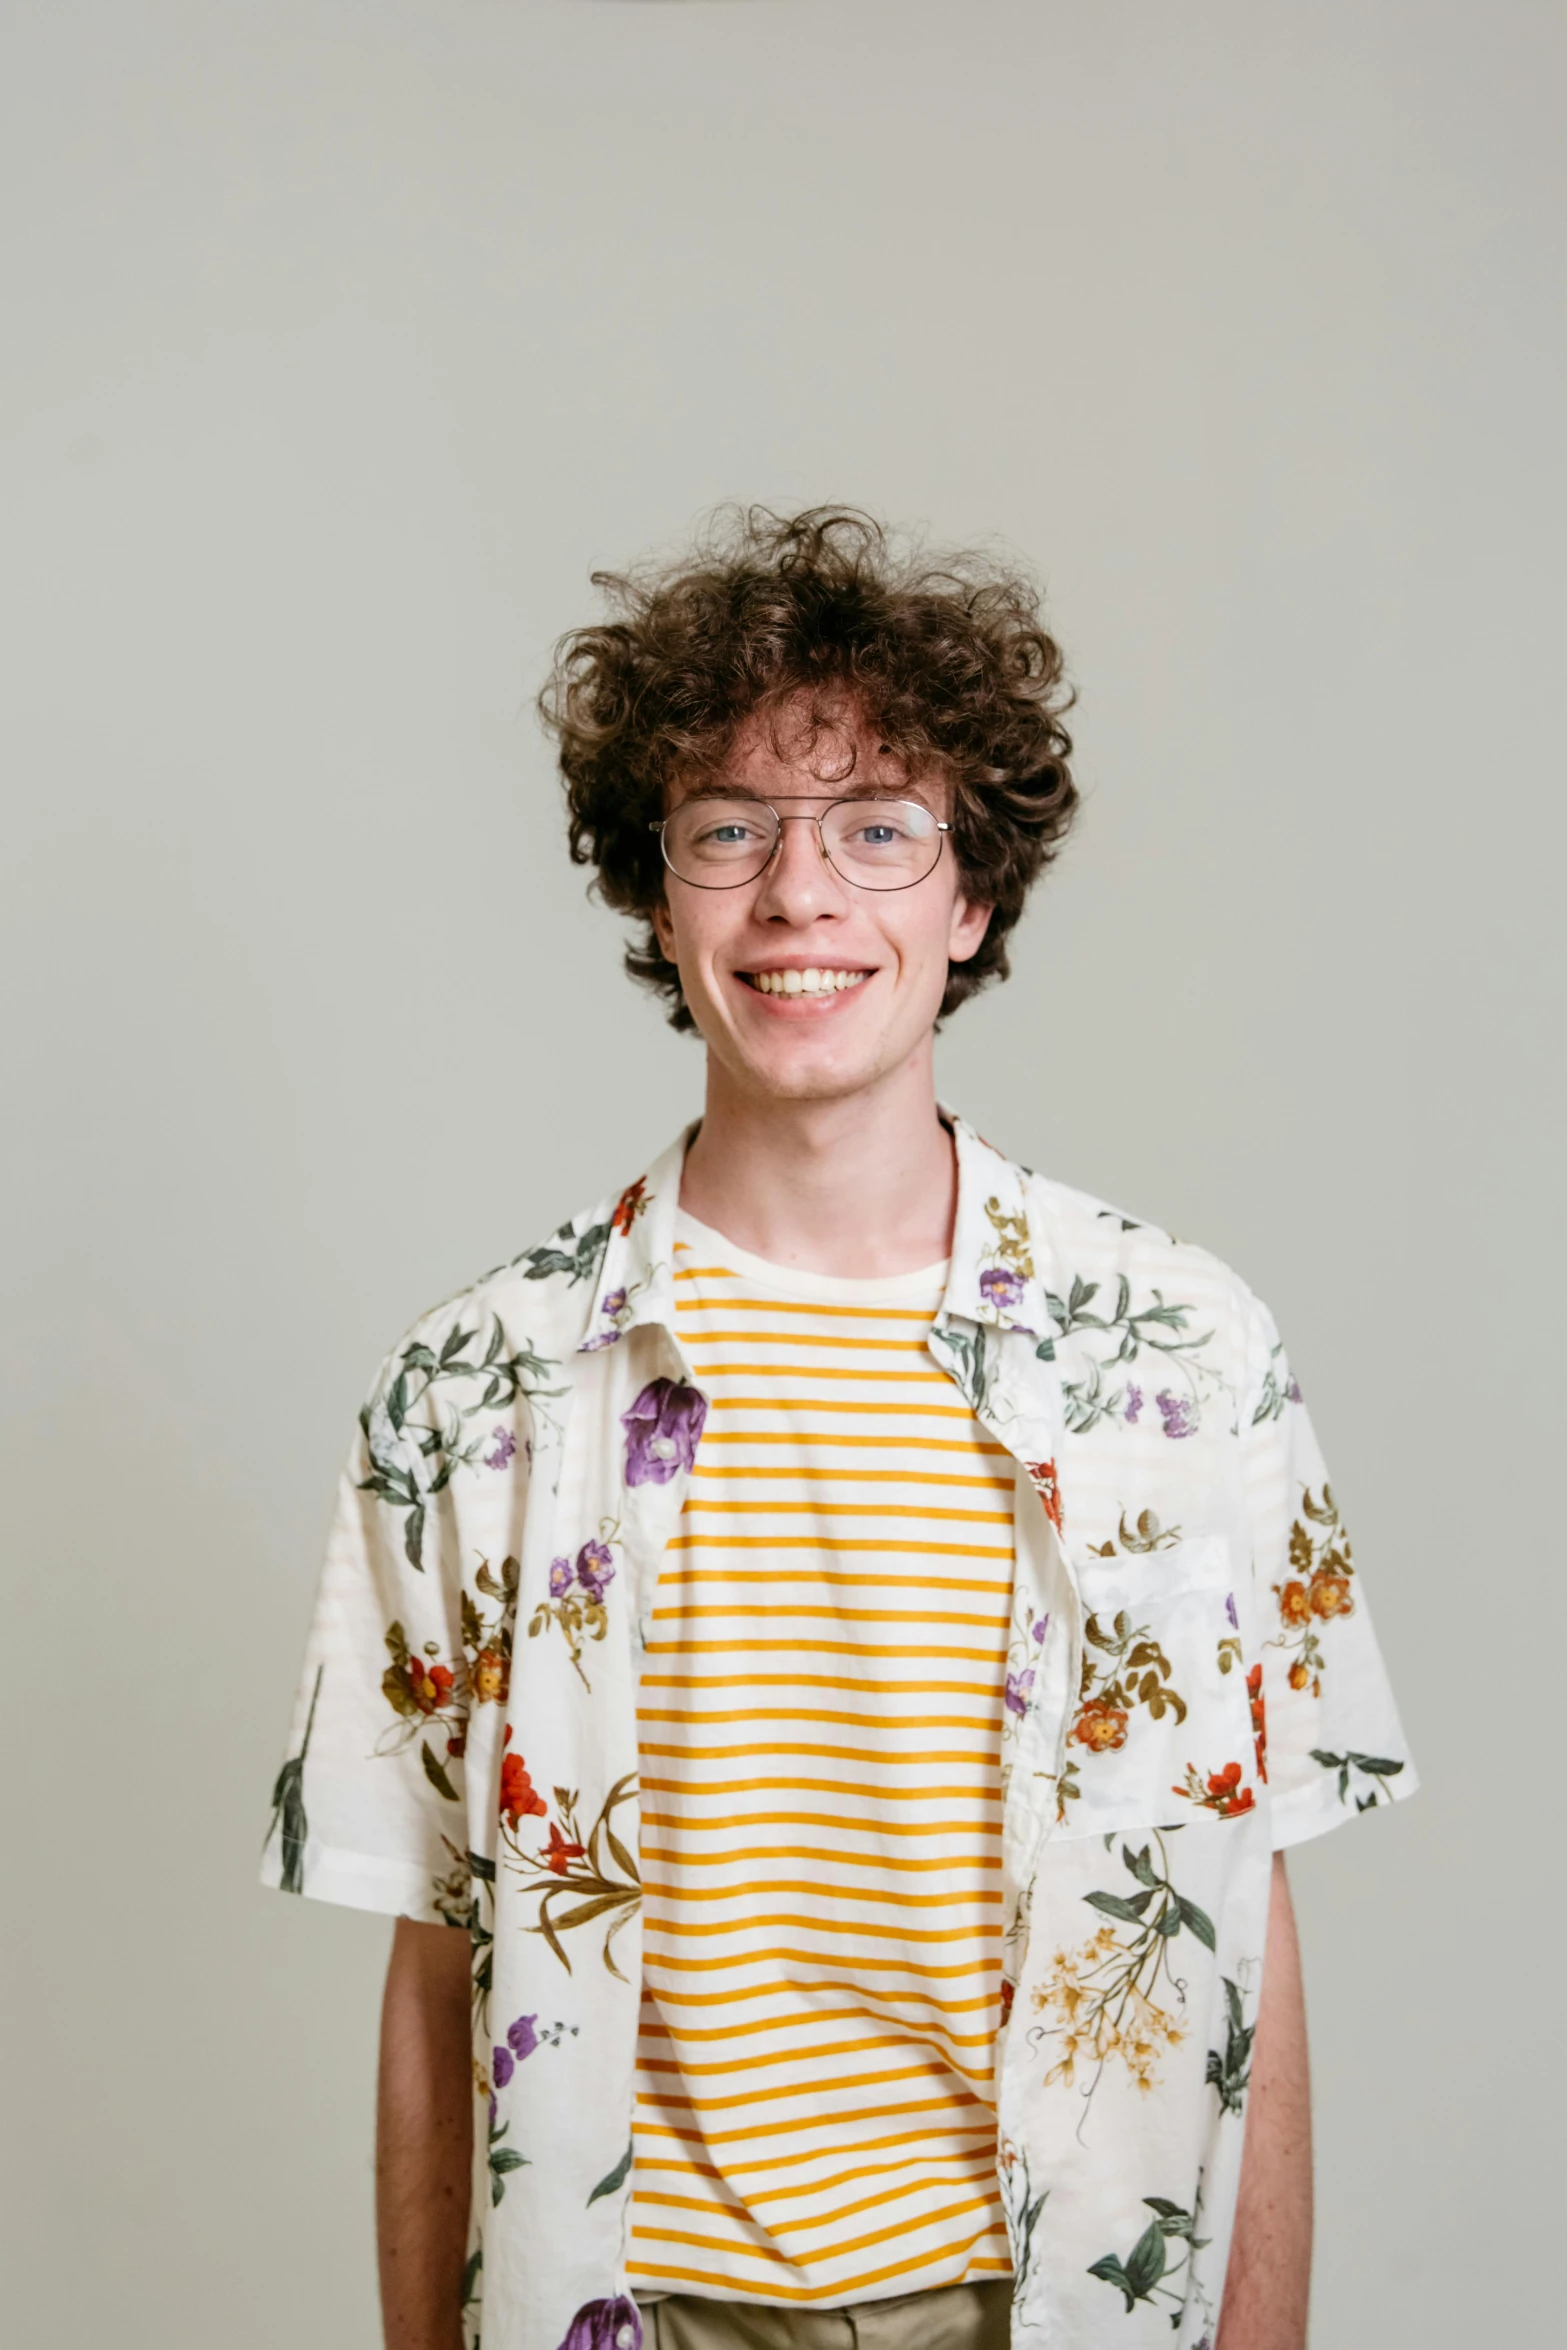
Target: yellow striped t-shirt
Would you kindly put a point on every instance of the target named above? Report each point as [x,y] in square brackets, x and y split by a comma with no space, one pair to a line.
[820,1726]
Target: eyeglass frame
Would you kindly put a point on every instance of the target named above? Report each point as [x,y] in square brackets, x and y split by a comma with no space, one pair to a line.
[848,800]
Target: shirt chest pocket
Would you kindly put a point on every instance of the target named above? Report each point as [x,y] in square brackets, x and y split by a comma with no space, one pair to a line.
[1167,1722]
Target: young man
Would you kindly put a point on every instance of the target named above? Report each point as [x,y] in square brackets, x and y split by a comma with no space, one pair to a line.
[822,1656]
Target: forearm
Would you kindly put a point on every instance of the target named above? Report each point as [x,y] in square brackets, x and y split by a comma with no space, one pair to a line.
[1269,2277]
[424,2138]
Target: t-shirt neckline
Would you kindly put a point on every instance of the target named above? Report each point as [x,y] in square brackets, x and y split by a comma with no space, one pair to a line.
[927,1284]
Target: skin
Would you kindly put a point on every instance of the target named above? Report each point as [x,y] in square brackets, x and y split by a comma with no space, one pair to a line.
[820,1147]
[424,2137]
[1269,2276]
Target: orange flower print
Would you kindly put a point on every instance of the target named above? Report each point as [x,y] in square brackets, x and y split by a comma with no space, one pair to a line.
[1259,1719]
[1319,1591]
[430,1686]
[1329,1596]
[491,1676]
[1101,1728]
[561,1851]
[519,1796]
[1042,1476]
[630,1205]
[1222,1792]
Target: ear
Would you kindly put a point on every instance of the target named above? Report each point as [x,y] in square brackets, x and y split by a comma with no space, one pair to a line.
[663,930]
[966,933]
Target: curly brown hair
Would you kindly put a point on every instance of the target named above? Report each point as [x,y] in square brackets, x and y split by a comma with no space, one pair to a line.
[947,658]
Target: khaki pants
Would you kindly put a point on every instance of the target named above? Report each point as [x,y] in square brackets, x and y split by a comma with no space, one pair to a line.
[952,2317]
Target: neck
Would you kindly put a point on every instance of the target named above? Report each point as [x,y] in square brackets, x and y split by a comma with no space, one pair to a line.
[858,1187]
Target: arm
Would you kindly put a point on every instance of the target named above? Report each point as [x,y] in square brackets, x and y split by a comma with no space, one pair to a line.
[424,2137]
[1269,2276]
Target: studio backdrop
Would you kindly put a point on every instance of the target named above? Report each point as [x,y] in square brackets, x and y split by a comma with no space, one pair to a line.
[344,340]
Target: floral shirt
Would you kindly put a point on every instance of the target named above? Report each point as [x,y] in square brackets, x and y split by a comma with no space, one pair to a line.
[1192,1683]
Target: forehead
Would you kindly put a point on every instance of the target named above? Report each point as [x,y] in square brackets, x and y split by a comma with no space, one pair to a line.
[810,751]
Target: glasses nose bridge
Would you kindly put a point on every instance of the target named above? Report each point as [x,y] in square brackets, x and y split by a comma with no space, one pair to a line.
[778,838]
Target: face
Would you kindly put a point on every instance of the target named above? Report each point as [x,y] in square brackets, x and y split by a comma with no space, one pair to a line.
[880,956]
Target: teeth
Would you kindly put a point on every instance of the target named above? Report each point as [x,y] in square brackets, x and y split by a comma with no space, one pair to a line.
[808,982]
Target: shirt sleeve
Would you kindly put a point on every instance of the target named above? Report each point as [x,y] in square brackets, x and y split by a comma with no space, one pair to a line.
[1334,1745]
[369,1807]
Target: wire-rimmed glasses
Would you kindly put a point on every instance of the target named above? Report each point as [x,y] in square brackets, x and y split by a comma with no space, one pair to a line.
[723,840]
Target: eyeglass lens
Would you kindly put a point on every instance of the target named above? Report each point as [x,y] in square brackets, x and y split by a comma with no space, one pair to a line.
[878,844]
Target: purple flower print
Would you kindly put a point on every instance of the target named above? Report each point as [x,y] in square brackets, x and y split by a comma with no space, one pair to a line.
[1001,1288]
[594,1570]
[521,2041]
[560,1578]
[1134,1406]
[505,1445]
[610,1310]
[605,2325]
[1229,1609]
[1292,1392]
[1177,1413]
[494,2110]
[1020,1687]
[662,1429]
[1038,1631]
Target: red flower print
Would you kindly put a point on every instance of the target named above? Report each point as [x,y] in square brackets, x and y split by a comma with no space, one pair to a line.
[1042,1476]
[1008,1991]
[1259,1719]
[519,1796]
[1223,1793]
[1226,1794]
[630,1205]
[428,1685]
[1294,1605]
[561,1850]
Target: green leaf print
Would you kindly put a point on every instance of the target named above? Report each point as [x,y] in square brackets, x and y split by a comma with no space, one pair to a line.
[1229,2068]
[435,1772]
[1378,1768]
[409,1464]
[288,1805]
[578,1256]
[613,2180]
[1145,2273]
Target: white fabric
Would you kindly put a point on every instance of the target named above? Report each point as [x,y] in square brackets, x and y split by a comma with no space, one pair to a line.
[464,1745]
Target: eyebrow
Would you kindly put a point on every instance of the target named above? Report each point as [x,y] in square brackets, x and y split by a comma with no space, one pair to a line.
[762,799]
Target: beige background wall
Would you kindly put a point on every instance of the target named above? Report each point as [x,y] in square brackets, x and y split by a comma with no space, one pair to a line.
[343,339]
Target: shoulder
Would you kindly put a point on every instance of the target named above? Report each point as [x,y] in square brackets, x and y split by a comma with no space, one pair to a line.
[516,1321]
[1106,1267]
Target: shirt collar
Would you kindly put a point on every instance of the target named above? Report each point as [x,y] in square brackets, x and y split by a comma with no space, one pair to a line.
[636,1282]
[992,1279]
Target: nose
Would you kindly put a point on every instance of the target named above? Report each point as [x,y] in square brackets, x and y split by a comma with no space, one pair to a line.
[799,886]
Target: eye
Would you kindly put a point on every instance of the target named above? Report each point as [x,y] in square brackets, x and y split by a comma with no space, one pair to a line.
[728,832]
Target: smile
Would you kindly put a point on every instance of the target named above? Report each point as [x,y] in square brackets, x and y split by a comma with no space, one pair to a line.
[810,981]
